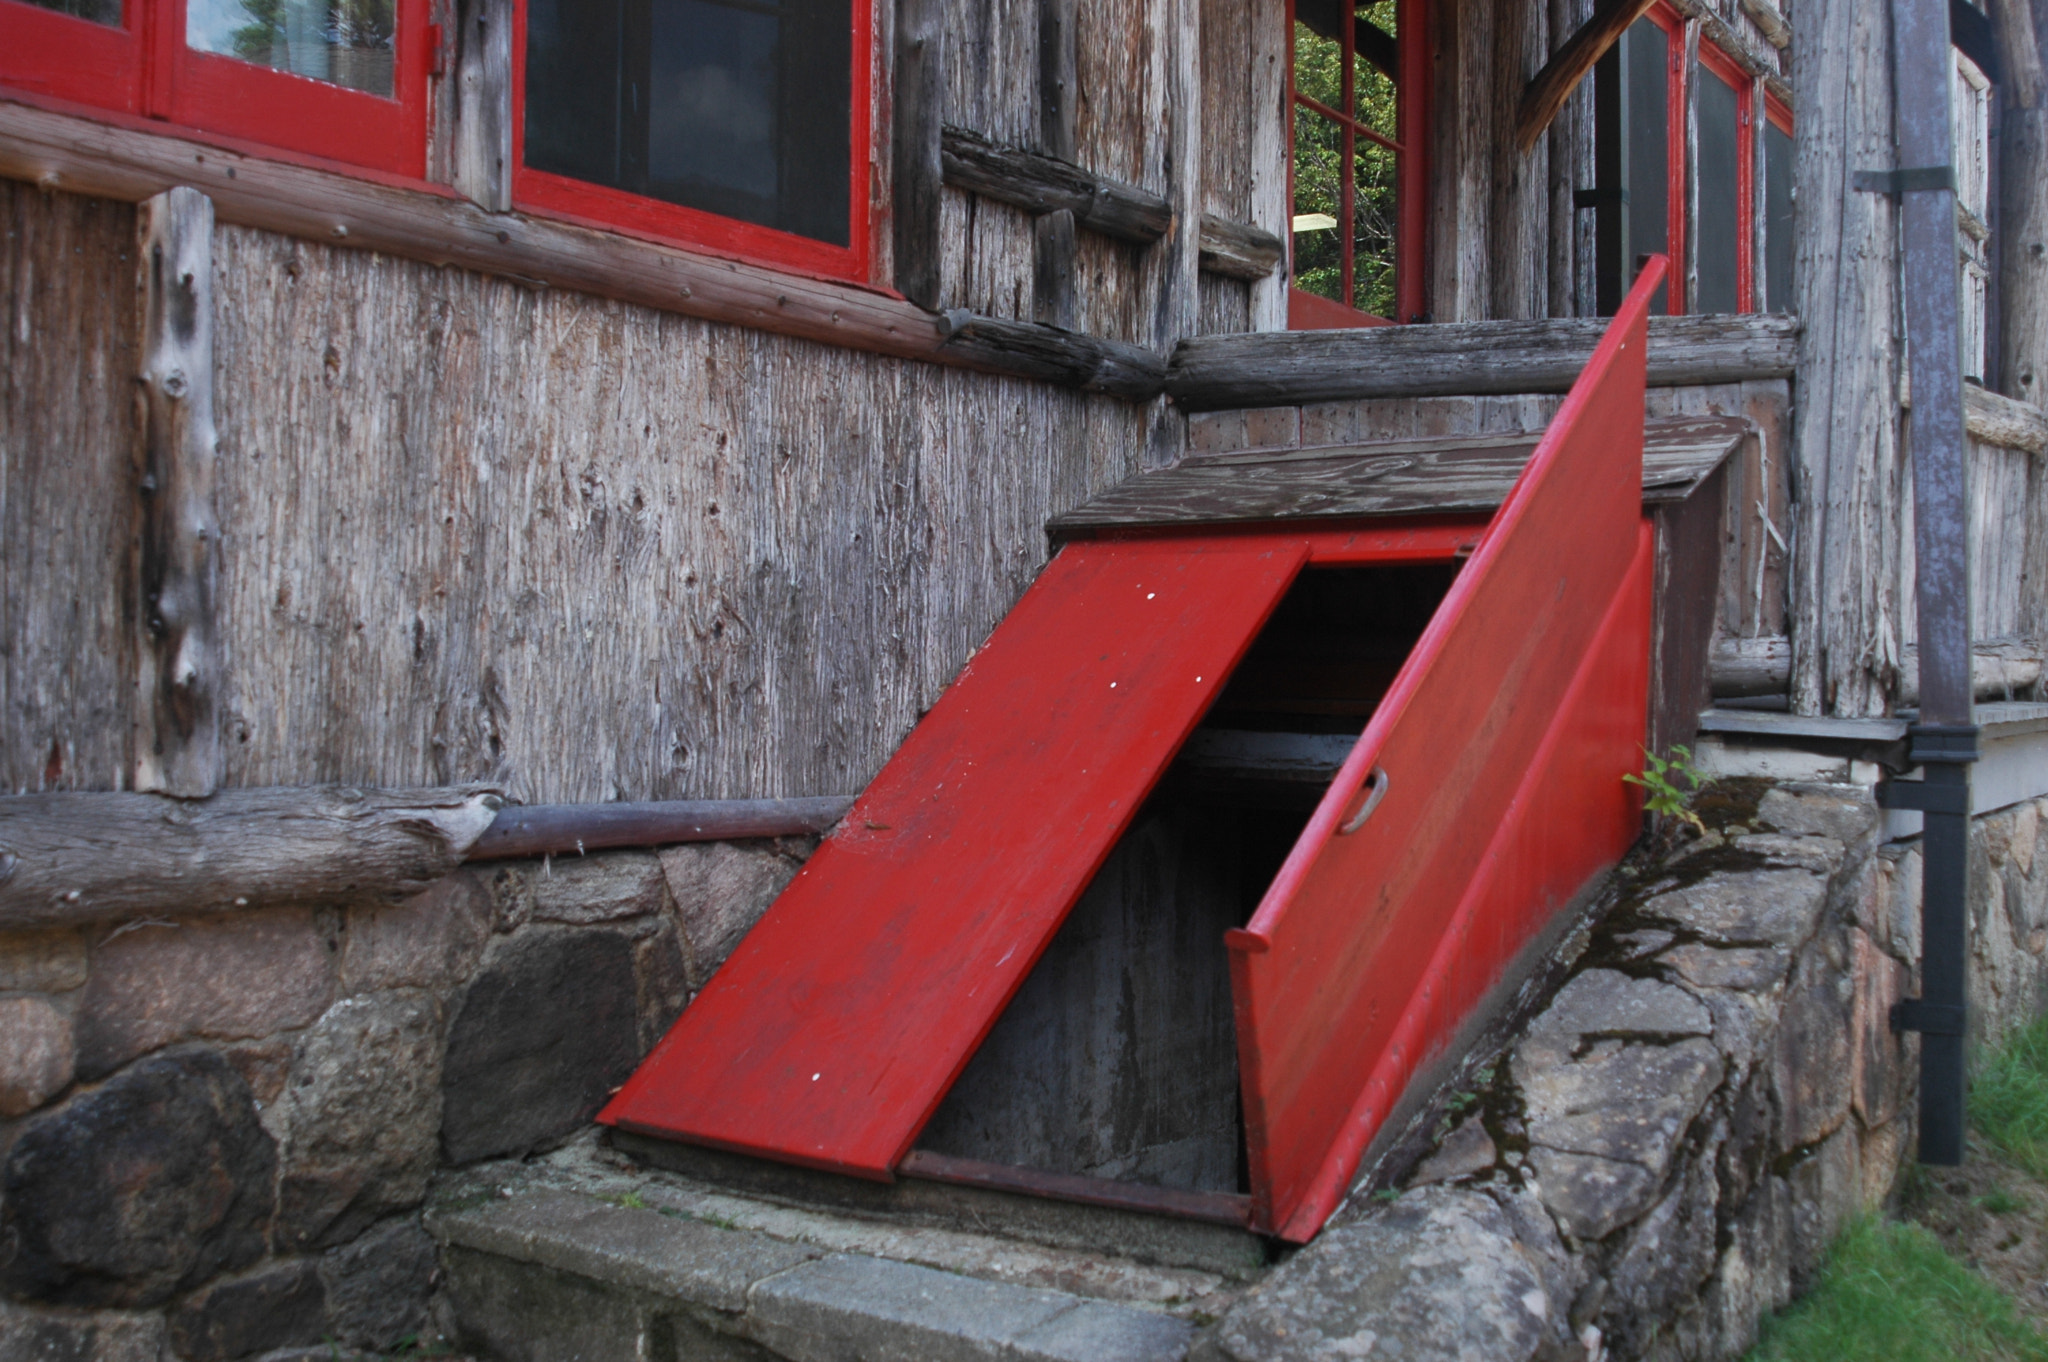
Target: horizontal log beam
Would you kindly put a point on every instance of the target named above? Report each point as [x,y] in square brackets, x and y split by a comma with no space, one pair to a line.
[1035,350]
[1038,183]
[2004,421]
[74,858]
[1749,667]
[566,829]
[1288,368]
[1238,249]
[1769,21]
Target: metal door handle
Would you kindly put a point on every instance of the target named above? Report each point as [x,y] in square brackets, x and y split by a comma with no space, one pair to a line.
[1376,790]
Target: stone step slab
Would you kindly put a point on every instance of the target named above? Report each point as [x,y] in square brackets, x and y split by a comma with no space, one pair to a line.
[546,1273]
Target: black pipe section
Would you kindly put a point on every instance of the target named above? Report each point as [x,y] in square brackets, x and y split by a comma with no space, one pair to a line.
[572,829]
[1944,742]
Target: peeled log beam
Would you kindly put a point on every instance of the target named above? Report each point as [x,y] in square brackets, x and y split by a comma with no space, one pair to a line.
[1034,350]
[1238,249]
[1038,183]
[1999,420]
[1287,368]
[563,829]
[1999,668]
[74,858]
[1549,88]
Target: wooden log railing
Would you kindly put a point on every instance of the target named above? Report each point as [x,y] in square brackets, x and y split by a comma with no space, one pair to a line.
[1038,183]
[79,858]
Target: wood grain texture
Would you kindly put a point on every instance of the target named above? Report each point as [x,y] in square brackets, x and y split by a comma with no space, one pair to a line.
[1035,350]
[598,552]
[1548,90]
[1478,357]
[68,361]
[480,142]
[1039,183]
[1998,420]
[80,857]
[1238,249]
[177,559]
[1846,610]
[1460,474]
[2022,364]
[919,85]
[573,829]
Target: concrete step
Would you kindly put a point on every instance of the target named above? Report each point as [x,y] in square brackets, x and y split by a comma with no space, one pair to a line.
[584,1258]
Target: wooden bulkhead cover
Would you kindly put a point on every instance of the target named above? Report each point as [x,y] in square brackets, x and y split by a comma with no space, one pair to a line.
[837,1026]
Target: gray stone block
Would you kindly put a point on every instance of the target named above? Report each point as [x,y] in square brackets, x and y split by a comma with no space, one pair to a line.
[604,887]
[70,1336]
[518,1312]
[378,1286]
[47,961]
[543,1035]
[279,1305]
[1751,968]
[1606,1003]
[359,1117]
[1095,1332]
[849,1306]
[35,1053]
[639,1250]
[1748,908]
[1433,1277]
[1820,855]
[1846,813]
[1617,1101]
[431,940]
[1589,1196]
[720,891]
[150,1184]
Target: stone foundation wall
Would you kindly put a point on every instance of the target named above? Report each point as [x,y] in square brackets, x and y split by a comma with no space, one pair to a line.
[216,1132]
[1664,1153]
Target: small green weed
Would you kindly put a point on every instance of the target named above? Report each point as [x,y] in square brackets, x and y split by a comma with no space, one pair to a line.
[1891,1293]
[2009,1098]
[1998,1201]
[1661,791]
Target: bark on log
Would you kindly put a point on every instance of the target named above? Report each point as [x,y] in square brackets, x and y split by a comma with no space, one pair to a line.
[566,829]
[1457,358]
[1548,90]
[2023,208]
[1770,22]
[1032,350]
[1038,183]
[178,669]
[1995,419]
[920,77]
[1750,666]
[73,858]
[1238,250]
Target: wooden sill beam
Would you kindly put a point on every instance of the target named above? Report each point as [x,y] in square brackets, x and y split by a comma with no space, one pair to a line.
[1549,88]
[1038,183]
[1289,368]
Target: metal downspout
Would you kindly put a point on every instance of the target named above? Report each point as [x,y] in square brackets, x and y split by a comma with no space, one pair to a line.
[1944,740]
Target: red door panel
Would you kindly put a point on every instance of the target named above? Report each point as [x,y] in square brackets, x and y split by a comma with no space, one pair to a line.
[1349,943]
[833,1031]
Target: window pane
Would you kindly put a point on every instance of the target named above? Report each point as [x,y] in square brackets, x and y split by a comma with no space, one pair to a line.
[1373,85]
[1645,51]
[1318,250]
[1777,219]
[1372,235]
[734,107]
[1318,66]
[343,42]
[1723,217]
[106,12]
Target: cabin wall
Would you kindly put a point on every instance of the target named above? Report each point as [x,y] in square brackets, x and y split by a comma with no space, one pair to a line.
[474,530]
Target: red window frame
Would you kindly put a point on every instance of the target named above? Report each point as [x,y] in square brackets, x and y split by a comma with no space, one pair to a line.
[1309,311]
[145,68]
[558,196]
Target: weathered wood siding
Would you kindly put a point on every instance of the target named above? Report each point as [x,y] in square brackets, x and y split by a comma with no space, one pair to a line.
[474,530]
[67,432]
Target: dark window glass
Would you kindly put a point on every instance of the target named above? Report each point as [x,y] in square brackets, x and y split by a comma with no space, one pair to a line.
[1722,219]
[106,12]
[737,107]
[1777,219]
[1646,51]
[343,42]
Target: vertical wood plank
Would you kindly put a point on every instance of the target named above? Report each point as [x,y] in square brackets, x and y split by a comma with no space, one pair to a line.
[1052,287]
[67,490]
[1847,462]
[178,668]
[2022,366]
[1269,42]
[481,139]
[1052,274]
[919,93]
[1517,205]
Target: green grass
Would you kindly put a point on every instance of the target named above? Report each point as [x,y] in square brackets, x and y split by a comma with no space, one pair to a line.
[2009,1099]
[1891,1293]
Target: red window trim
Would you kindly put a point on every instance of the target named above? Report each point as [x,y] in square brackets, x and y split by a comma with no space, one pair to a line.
[1412,109]
[145,68]
[569,200]
[1721,65]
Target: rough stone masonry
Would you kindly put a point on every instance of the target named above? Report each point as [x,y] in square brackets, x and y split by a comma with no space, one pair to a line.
[217,1134]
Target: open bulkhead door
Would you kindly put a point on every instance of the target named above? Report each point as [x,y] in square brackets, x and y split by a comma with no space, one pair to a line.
[1484,794]
[831,1034]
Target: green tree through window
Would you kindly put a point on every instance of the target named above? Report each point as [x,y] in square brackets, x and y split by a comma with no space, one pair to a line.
[1345,171]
